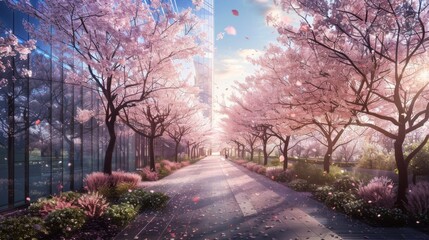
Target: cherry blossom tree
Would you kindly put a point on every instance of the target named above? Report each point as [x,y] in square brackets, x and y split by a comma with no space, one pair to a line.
[10,47]
[190,115]
[198,137]
[247,116]
[383,45]
[153,116]
[236,127]
[303,94]
[251,141]
[268,80]
[177,131]
[125,46]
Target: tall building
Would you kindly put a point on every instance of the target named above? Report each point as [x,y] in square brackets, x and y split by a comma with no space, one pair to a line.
[203,65]
[43,149]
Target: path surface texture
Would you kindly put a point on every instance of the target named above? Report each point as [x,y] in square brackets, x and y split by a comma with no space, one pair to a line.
[216,199]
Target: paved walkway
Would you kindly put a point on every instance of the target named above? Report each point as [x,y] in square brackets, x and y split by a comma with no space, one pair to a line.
[215,199]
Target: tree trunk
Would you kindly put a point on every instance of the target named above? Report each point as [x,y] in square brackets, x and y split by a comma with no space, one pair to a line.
[176,151]
[243,153]
[193,152]
[11,148]
[285,147]
[252,153]
[71,163]
[327,158]
[402,173]
[264,149]
[151,154]
[111,146]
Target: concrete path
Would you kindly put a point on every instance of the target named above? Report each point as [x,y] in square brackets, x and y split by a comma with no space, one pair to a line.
[215,199]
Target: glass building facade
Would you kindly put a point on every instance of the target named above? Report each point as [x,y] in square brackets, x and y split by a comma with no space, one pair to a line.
[43,148]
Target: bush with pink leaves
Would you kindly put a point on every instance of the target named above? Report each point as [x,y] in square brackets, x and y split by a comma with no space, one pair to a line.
[148,175]
[185,163]
[418,202]
[95,181]
[379,192]
[45,206]
[258,169]
[93,204]
[171,166]
[119,177]
[98,180]
[279,175]
[250,165]
[241,161]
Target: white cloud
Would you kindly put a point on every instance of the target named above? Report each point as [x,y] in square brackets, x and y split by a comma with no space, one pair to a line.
[270,8]
[249,53]
[276,12]
[231,70]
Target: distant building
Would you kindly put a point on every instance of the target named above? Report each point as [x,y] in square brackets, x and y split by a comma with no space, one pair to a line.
[203,65]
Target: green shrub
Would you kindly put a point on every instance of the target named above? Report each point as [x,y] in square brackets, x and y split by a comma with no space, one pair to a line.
[355,208]
[143,200]
[134,198]
[65,222]
[346,184]
[419,165]
[275,162]
[373,158]
[321,193]
[163,172]
[154,200]
[70,196]
[314,173]
[35,207]
[113,193]
[123,188]
[120,214]
[301,185]
[337,200]
[384,217]
[22,227]
[107,192]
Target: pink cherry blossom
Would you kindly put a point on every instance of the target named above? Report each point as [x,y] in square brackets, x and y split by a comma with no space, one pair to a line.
[230,30]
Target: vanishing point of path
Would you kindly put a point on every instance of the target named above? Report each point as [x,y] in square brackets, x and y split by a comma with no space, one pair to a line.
[215,199]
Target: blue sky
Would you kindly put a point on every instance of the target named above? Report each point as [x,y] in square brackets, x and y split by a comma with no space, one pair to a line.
[252,31]
[253,34]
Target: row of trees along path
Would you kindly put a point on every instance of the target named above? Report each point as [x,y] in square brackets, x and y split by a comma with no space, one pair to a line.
[346,66]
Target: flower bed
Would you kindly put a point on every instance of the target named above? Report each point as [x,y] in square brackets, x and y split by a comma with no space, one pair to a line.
[371,202]
[109,204]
